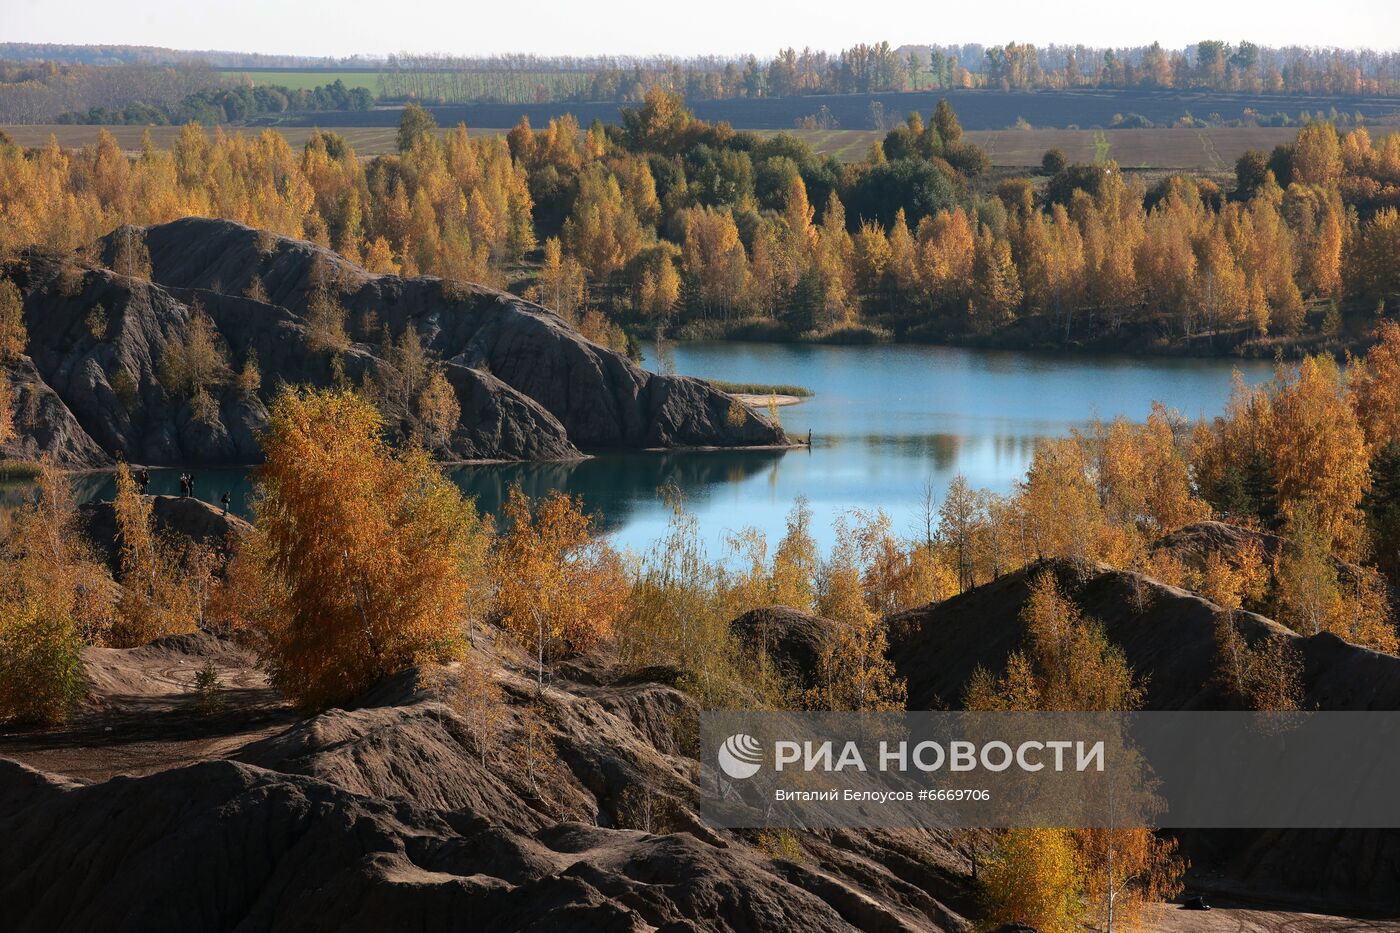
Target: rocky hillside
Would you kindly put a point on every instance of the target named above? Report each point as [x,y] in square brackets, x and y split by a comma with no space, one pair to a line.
[94,382]
[175,517]
[1168,636]
[386,816]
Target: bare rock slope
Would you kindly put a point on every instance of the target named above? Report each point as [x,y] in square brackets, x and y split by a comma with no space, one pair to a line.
[93,384]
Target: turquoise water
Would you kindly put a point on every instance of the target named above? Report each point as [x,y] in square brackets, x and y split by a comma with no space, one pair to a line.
[885,421]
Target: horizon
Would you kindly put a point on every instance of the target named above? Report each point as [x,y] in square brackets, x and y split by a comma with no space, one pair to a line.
[565,29]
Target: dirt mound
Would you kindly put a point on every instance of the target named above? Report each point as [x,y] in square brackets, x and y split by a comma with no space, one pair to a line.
[600,397]
[185,518]
[387,816]
[529,387]
[793,640]
[45,425]
[1194,543]
[143,713]
[313,856]
[1168,635]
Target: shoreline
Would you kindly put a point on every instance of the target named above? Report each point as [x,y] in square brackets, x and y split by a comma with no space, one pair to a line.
[754,400]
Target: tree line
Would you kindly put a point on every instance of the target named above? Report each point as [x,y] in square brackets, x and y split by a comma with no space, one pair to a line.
[135,83]
[878,66]
[668,221]
[227,104]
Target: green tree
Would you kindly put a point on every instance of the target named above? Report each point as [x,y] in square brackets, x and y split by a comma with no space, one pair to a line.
[414,124]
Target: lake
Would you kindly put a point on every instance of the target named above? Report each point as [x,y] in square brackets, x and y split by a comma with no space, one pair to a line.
[885,420]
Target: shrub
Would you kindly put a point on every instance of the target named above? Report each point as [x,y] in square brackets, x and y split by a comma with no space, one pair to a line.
[560,587]
[358,565]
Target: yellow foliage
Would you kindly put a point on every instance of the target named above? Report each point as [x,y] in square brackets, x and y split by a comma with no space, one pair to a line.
[165,585]
[1069,663]
[560,588]
[7,411]
[793,580]
[1126,871]
[362,554]
[13,335]
[54,598]
[679,612]
[1033,878]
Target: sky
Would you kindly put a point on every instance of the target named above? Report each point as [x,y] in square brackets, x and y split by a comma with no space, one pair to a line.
[642,27]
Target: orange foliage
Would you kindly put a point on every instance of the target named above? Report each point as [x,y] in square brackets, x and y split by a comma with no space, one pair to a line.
[362,553]
[559,587]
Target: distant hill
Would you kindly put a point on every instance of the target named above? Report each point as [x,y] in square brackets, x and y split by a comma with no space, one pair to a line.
[69,54]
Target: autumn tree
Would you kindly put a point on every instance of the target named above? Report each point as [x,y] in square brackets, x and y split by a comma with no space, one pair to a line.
[438,409]
[361,553]
[795,561]
[1062,511]
[1033,878]
[55,597]
[165,583]
[679,611]
[996,284]
[852,672]
[325,322]
[659,289]
[562,286]
[415,124]
[13,335]
[560,587]
[1318,451]
[194,364]
[1127,870]
[958,519]
[471,692]
[1069,663]
[1374,382]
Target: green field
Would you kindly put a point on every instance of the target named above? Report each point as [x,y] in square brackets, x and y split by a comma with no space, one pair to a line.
[1213,150]
[513,86]
[307,80]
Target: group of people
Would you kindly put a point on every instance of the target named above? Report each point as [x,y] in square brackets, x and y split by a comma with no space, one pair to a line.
[143,480]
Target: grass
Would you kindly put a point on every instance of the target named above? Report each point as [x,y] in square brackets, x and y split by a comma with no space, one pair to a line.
[759,388]
[306,80]
[19,471]
[1101,147]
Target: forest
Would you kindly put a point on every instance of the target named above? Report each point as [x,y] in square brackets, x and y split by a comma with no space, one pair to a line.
[669,223]
[862,68]
[38,83]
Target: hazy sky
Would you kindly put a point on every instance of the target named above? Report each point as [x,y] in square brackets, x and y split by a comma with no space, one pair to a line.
[552,27]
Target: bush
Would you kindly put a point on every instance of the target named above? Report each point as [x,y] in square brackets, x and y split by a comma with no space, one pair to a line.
[41,666]
[360,562]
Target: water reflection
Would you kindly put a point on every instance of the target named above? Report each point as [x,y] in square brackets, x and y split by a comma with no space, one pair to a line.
[884,421]
[617,486]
